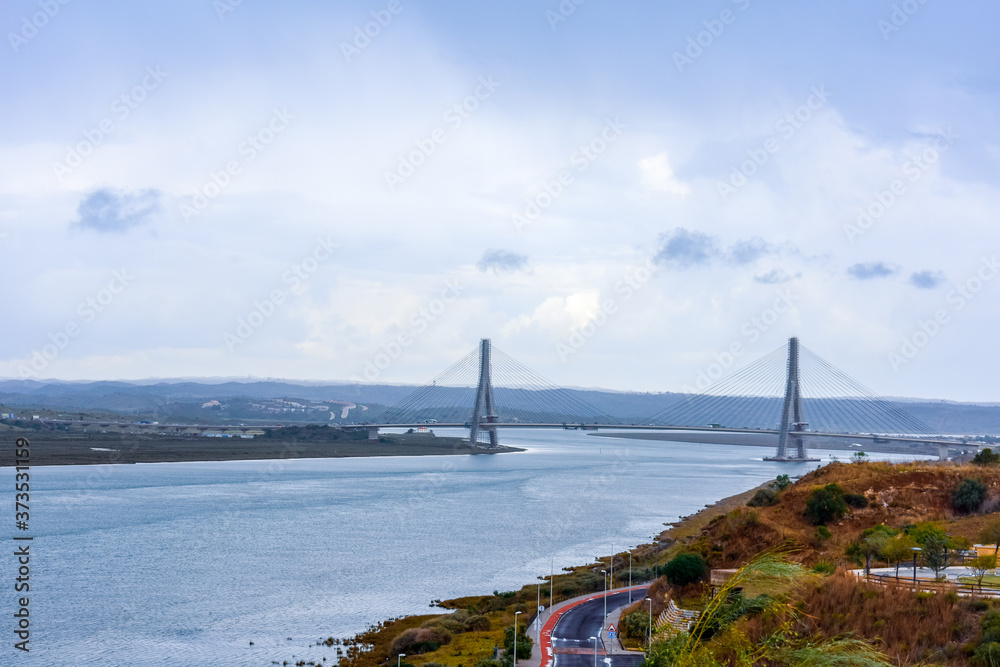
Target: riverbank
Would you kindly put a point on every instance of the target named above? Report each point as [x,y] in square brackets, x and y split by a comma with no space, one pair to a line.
[476,623]
[102,449]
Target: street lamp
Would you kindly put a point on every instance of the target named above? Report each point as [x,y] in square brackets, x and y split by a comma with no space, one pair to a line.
[947,536]
[398,658]
[538,610]
[630,575]
[612,568]
[595,651]
[915,551]
[605,573]
[649,631]
[515,637]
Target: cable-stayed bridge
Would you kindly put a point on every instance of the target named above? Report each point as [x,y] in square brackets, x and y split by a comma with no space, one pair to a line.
[791,393]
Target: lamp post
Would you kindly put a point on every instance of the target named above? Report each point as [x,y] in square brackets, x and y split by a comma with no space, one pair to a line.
[649,631]
[947,536]
[552,579]
[612,568]
[398,658]
[515,637]
[595,651]
[915,551]
[605,573]
[538,609]
[630,575]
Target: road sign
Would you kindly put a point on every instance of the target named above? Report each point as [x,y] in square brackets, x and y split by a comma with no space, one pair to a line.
[611,627]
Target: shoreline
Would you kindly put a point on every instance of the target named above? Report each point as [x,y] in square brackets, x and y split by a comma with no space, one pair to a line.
[94,449]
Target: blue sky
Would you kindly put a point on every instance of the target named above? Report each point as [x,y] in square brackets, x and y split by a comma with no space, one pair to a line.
[247,145]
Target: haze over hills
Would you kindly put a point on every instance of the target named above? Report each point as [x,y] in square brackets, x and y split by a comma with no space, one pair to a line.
[216,401]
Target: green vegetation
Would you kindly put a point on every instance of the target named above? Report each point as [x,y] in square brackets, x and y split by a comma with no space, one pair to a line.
[987,457]
[826,504]
[685,569]
[968,495]
[763,498]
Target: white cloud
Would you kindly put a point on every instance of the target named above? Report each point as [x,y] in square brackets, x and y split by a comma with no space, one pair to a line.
[656,174]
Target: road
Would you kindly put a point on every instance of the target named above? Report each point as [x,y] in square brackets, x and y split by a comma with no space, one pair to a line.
[571,641]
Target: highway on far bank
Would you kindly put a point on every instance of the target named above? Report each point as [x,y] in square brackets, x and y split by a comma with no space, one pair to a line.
[572,645]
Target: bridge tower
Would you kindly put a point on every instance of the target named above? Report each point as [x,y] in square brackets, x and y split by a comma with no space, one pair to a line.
[484,399]
[791,411]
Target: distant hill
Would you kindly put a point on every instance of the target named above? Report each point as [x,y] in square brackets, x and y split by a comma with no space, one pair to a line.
[273,400]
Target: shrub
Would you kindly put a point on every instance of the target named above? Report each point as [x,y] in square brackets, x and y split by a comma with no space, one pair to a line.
[822,534]
[477,624]
[824,567]
[826,504]
[780,483]
[635,624]
[763,498]
[685,569]
[987,655]
[856,500]
[987,457]
[968,495]
[524,642]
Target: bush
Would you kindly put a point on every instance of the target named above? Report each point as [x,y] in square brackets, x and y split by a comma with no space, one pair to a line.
[477,624]
[524,642]
[763,498]
[826,504]
[968,495]
[856,500]
[822,534]
[635,624]
[987,655]
[986,458]
[780,483]
[685,569]
[824,567]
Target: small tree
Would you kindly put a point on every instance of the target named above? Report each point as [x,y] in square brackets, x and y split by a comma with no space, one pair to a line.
[685,569]
[936,554]
[980,565]
[898,550]
[826,504]
[987,457]
[859,457]
[524,642]
[968,495]
[990,534]
[780,483]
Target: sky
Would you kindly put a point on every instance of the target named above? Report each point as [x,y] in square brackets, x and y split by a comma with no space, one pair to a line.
[633,195]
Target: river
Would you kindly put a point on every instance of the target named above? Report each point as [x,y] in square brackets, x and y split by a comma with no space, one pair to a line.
[187,563]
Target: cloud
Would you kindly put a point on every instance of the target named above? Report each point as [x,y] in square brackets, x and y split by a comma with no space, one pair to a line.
[502,261]
[750,250]
[107,210]
[775,277]
[681,249]
[869,270]
[656,173]
[927,279]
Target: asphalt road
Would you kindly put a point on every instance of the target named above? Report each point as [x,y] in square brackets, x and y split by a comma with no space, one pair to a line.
[579,624]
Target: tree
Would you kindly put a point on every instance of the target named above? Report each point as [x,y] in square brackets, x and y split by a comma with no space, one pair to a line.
[685,569]
[825,504]
[980,565]
[924,531]
[990,534]
[782,482]
[936,554]
[524,642]
[968,495]
[987,457]
[898,550]
[872,543]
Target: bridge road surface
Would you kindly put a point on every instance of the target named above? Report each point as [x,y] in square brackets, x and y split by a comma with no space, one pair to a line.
[571,643]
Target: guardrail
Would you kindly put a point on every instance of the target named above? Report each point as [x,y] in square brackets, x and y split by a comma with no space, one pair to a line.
[927,585]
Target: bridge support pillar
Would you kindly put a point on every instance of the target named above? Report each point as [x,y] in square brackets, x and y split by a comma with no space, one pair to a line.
[791,412]
[943,452]
[484,399]
[373,432]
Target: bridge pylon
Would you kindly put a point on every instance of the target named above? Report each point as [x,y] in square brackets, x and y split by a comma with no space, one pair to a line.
[484,400]
[791,412]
